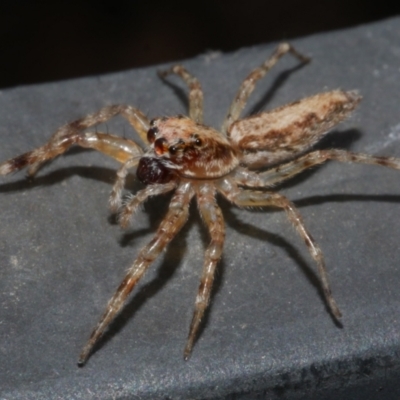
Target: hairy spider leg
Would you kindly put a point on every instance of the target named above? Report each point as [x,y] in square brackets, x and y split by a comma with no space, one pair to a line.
[71,134]
[248,85]
[115,200]
[213,218]
[253,198]
[129,208]
[286,171]
[176,217]
[195,91]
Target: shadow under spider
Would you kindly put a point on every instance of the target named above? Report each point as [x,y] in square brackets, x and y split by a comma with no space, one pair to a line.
[345,198]
[100,174]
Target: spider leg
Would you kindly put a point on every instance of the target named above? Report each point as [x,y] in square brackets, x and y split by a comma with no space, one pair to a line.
[248,85]
[141,196]
[72,134]
[115,200]
[213,218]
[288,170]
[169,227]
[195,91]
[253,198]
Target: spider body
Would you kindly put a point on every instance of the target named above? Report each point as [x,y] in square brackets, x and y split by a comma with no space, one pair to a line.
[182,155]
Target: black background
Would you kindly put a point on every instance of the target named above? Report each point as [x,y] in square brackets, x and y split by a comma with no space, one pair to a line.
[52,40]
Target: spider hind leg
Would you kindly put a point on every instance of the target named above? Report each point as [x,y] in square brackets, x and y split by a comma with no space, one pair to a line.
[256,198]
[214,220]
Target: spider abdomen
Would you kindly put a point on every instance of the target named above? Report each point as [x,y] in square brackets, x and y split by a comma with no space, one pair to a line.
[282,133]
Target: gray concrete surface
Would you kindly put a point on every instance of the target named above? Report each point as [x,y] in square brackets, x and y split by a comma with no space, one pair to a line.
[267,333]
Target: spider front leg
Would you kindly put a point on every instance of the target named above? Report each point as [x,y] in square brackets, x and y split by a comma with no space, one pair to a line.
[195,91]
[169,227]
[115,200]
[214,220]
[253,198]
[72,134]
[286,171]
[129,208]
[248,85]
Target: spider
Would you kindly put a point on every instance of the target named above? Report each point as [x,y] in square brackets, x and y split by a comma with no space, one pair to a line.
[181,155]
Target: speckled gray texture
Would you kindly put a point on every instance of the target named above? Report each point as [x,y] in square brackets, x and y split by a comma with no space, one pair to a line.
[267,333]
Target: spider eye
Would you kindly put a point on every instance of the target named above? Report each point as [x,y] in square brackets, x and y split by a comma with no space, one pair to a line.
[197,141]
[151,134]
[172,150]
[159,146]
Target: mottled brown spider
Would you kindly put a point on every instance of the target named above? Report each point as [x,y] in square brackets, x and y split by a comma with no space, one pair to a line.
[181,155]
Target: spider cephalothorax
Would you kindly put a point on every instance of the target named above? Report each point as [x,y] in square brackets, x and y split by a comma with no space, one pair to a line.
[191,149]
[181,155]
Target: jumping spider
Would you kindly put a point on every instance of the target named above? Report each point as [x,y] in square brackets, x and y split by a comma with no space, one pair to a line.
[181,155]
